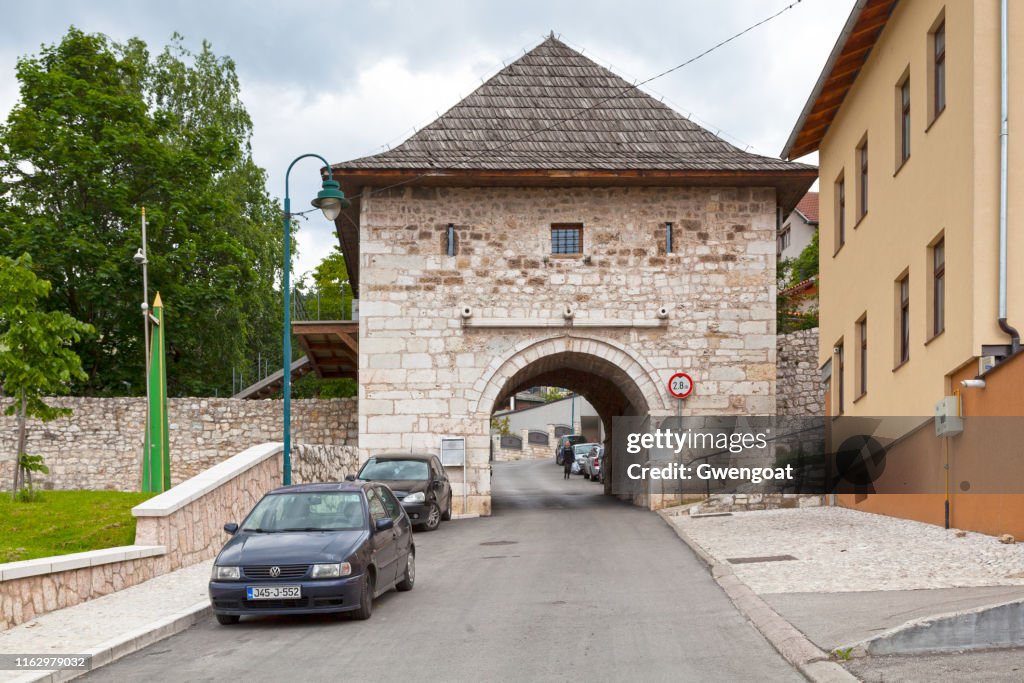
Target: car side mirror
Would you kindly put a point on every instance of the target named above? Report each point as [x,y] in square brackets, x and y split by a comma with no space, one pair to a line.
[384,524]
[350,477]
[231,528]
[438,483]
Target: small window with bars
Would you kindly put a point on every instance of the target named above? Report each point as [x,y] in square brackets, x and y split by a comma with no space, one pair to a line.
[567,238]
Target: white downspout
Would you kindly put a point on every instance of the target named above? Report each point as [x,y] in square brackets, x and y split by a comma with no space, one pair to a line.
[1004,135]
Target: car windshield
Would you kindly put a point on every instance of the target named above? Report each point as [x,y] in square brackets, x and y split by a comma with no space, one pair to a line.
[584,448]
[320,511]
[395,470]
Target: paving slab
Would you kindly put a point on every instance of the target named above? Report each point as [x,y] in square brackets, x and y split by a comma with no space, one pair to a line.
[834,620]
[113,624]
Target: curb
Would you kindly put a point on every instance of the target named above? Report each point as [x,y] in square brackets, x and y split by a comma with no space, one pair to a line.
[125,644]
[795,648]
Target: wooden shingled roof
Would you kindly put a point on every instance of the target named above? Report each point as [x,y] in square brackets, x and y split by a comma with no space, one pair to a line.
[554,109]
[555,118]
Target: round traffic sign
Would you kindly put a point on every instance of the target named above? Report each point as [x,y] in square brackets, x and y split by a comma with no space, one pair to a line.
[680,385]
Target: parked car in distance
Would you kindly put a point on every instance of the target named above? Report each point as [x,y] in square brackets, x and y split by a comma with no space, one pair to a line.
[418,481]
[591,465]
[582,450]
[562,441]
[314,548]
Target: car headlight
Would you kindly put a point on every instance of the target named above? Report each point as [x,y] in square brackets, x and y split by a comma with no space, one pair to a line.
[331,571]
[417,497]
[226,573]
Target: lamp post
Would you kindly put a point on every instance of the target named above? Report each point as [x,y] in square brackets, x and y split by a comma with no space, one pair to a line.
[331,200]
[140,258]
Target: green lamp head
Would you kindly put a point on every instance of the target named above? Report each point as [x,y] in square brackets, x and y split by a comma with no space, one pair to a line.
[331,200]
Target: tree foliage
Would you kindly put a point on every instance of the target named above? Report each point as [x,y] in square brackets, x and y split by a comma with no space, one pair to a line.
[792,312]
[36,355]
[103,129]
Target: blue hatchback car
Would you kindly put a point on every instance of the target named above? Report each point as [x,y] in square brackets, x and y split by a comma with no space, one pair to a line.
[314,548]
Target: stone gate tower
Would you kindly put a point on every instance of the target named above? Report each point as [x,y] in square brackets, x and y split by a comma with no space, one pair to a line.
[559,227]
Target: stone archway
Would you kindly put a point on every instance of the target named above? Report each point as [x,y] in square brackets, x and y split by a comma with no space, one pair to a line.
[613,380]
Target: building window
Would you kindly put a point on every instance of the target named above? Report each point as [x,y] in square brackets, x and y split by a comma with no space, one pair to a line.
[904,121]
[784,239]
[840,212]
[939,69]
[862,356]
[862,179]
[840,371]
[938,263]
[450,240]
[903,344]
[567,238]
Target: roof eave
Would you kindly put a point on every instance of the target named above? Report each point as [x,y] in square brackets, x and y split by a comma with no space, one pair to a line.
[791,149]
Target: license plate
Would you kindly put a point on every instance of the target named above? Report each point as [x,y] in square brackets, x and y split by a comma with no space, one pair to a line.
[273,592]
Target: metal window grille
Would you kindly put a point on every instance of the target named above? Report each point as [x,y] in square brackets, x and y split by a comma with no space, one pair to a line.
[566,239]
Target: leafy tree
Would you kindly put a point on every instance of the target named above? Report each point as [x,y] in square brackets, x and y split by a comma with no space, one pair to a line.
[554,394]
[36,358]
[103,129]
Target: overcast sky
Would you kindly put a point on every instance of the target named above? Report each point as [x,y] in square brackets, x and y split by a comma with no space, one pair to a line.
[344,78]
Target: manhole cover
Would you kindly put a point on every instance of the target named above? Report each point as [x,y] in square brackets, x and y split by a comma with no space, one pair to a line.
[499,542]
[752,560]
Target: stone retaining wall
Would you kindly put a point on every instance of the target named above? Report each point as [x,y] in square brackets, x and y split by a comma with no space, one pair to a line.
[798,382]
[176,529]
[100,446]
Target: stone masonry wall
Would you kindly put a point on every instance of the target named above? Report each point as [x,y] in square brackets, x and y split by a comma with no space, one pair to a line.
[100,446]
[425,374]
[800,391]
[190,534]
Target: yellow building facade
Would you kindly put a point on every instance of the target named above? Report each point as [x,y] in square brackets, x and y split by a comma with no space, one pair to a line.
[906,120]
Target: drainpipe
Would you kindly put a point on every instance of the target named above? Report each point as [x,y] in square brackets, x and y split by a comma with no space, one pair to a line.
[1004,135]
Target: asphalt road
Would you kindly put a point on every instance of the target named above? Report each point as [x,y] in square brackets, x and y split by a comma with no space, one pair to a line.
[560,584]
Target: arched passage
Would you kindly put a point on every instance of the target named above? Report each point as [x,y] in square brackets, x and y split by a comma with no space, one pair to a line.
[614,381]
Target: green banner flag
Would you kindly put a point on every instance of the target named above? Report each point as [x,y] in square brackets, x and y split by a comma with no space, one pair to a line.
[156,463]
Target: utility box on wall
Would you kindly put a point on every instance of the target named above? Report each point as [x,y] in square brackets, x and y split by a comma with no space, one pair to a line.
[948,421]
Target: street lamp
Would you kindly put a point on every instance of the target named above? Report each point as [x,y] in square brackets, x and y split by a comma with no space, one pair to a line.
[331,200]
[140,259]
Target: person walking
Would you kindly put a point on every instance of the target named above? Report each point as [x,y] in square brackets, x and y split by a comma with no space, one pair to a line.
[568,458]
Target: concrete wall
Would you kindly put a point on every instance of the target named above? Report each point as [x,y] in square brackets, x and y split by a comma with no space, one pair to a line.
[100,445]
[799,387]
[425,373]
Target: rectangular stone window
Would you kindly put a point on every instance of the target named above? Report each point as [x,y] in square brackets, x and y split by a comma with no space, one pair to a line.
[566,239]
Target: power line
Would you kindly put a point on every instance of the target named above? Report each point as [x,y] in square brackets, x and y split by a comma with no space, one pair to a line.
[585,110]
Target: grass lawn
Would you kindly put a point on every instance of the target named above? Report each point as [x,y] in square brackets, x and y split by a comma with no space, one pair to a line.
[66,522]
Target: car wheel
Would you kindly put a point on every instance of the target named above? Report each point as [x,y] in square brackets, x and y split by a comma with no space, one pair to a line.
[409,579]
[227,619]
[433,518]
[365,610]
[558,460]
[448,510]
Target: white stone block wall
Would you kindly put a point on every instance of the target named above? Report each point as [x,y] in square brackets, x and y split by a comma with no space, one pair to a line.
[100,445]
[423,374]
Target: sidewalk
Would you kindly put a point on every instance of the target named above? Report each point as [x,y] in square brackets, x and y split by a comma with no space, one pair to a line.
[841,576]
[113,625]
